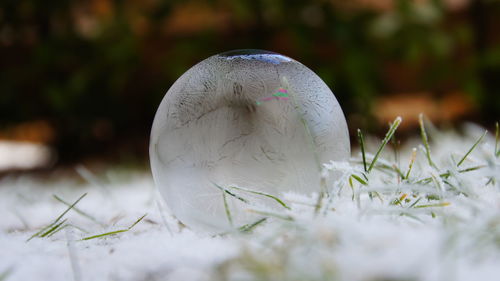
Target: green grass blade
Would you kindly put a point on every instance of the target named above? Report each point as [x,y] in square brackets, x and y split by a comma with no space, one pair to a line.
[249,227]
[231,193]
[471,169]
[425,141]
[361,141]
[444,204]
[387,138]
[471,149]
[104,234]
[226,207]
[52,229]
[57,230]
[70,207]
[66,226]
[448,174]
[351,185]
[412,161]
[78,211]
[137,221]
[278,200]
[37,234]
[359,179]
[490,181]
[114,232]
[415,202]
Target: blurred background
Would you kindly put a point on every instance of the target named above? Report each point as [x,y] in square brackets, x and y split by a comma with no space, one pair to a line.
[80,81]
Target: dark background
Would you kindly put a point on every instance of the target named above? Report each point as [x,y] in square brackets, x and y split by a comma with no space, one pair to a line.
[86,77]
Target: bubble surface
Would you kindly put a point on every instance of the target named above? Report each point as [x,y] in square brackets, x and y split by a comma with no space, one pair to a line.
[238,123]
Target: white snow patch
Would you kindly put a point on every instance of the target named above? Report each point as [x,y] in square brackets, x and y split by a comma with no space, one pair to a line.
[356,235]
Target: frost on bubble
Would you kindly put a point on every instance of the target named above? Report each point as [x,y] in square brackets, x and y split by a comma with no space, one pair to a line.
[239,121]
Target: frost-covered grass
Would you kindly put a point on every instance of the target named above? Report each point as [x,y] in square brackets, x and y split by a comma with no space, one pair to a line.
[428,211]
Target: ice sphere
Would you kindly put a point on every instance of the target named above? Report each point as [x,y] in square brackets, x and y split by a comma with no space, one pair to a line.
[249,119]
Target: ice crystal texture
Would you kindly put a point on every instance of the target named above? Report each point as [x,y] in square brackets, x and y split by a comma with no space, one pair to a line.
[248,119]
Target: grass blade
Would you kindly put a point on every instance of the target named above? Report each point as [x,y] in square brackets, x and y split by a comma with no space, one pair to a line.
[425,141]
[412,161]
[105,234]
[415,202]
[359,179]
[226,207]
[70,207]
[448,174]
[57,219]
[52,229]
[231,193]
[387,138]
[249,227]
[80,212]
[37,234]
[361,140]
[471,149]
[137,221]
[114,232]
[444,204]
[66,226]
[279,201]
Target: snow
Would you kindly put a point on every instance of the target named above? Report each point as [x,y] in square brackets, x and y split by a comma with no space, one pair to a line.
[353,237]
[149,250]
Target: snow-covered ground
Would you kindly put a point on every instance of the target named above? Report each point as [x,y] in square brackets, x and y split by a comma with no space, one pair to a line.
[437,224]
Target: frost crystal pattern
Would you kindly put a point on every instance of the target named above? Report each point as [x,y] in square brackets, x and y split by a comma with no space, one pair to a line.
[241,121]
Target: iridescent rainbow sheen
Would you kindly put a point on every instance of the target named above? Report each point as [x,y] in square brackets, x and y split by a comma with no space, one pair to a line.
[281,94]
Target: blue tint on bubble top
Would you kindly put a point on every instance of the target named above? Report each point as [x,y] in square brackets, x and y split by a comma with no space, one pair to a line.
[255,54]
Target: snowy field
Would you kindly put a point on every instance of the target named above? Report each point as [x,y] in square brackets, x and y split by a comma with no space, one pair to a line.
[438,220]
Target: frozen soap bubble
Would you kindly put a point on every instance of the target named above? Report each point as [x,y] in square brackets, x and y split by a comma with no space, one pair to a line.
[241,121]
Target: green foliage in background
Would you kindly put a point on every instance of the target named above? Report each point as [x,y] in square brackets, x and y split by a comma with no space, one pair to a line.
[97,70]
